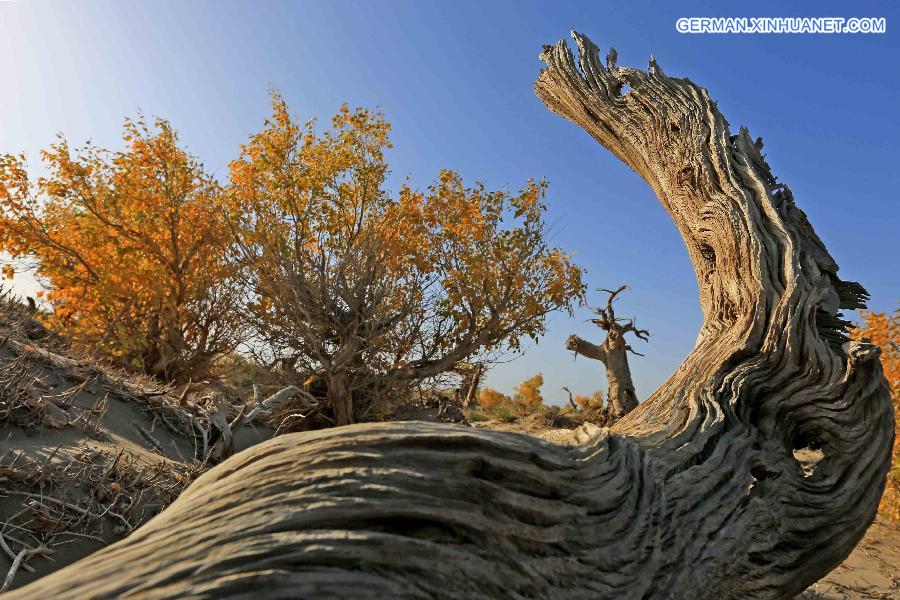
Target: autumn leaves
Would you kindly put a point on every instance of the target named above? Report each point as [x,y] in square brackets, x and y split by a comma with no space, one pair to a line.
[131,247]
[302,257]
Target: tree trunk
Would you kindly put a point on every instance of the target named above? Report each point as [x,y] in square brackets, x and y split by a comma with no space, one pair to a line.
[471,376]
[694,493]
[613,353]
[614,356]
[621,394]
[340,398]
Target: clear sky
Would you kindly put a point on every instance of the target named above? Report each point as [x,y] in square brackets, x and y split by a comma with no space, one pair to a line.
[455,79]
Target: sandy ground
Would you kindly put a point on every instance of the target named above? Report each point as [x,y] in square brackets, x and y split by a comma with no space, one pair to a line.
[87,454]
[871,571]
[83,462]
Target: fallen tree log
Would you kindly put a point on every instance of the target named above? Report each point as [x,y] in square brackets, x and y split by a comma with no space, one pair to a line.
[696,493]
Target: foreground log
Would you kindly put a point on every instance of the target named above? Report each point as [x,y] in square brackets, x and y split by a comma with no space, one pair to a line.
[694,493]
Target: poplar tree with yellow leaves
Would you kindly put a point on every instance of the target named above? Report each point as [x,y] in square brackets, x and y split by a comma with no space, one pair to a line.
[527,395]
[131,247]
[371,292]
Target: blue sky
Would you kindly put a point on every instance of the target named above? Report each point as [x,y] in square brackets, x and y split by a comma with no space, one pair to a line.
[455,79]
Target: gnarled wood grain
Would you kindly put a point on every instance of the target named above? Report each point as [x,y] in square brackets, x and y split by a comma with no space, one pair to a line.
[696,493]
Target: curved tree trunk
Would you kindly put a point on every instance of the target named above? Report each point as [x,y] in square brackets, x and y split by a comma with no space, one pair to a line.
[694,493]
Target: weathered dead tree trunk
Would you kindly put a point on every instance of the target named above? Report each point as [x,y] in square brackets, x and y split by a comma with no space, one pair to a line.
[695,493]
[613,353]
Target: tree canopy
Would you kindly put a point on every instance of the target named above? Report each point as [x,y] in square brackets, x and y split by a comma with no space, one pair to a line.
[131,246]
[155,264]
[372,290]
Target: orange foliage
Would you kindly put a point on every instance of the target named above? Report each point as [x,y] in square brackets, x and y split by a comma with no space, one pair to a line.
[526,400]
[490,399]
[147,259]
[528,394]
[130,245]
[592,402]
[409,285]
[884,330]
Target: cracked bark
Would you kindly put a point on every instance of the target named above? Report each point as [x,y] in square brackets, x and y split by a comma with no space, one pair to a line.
[694,493]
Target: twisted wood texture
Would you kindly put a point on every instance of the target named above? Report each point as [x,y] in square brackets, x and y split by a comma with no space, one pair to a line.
[696,493]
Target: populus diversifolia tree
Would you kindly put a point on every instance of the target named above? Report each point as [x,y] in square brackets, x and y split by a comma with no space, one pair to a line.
[371,291]
[694,493]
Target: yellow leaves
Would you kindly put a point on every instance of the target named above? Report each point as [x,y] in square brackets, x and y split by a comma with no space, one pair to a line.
[528,393]
[488,265]
[527,399]
[314,202]
[324,183]
[489,398]
[134,242]
[883,329]
[592,402]
[119,235]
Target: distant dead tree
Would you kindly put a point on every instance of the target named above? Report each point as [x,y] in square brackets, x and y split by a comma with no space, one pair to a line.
[695,493]
[613,353]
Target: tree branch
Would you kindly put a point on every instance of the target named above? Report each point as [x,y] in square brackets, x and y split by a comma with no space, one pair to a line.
[585,348]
